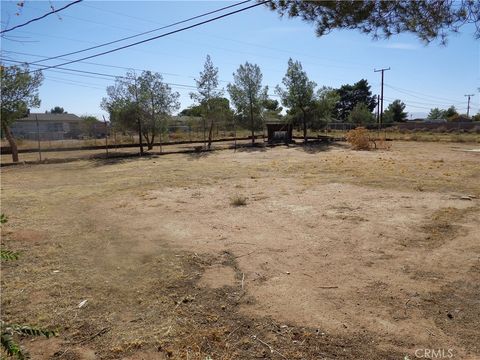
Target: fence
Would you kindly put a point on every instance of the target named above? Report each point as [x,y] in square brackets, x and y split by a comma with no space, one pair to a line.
[176,139]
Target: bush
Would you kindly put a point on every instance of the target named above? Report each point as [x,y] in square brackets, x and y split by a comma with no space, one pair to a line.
[359,139]
[238,200]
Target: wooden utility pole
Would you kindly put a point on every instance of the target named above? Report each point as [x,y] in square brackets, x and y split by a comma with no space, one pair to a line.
[381,103]
[378,111]
[106,136]
[468,106]
[38,139]
[139,117]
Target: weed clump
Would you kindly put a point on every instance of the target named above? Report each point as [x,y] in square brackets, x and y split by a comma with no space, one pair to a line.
[359,139]
[238,200]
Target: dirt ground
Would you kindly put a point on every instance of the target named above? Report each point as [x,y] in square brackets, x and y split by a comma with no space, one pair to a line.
[337,254]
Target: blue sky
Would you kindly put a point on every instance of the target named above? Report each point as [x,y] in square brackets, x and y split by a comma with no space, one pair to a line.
[421,76]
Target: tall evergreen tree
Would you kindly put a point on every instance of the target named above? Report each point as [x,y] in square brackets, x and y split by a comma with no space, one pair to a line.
[299,92]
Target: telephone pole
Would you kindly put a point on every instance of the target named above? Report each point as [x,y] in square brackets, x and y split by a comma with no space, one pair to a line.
[468,106]
[381,103]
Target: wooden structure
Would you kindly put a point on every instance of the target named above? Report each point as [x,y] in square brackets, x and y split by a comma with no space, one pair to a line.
[279,132]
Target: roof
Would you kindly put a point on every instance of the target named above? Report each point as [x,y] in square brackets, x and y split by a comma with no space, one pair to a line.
[273,121]
[51,117]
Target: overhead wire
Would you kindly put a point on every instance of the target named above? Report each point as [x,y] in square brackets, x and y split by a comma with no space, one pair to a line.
[54,11]
[159,36]
[144,33]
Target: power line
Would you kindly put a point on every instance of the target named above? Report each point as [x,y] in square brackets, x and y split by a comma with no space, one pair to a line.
[158,36]
[142,33]
[54,11]
[357,64]
[85,62]
[424,97]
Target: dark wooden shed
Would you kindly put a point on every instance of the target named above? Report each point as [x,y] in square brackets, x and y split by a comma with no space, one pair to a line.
[279,132]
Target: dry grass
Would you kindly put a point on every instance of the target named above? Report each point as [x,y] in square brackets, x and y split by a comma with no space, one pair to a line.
[135,236]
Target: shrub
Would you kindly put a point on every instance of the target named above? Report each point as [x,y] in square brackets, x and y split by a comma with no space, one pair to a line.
[238,200]
[359,139]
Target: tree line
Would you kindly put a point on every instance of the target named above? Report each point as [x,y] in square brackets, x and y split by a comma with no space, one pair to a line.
[144,102]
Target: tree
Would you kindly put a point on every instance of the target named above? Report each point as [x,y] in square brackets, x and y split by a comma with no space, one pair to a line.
[361,115]
[451,112]
[298,93]
[325,104]
[207,85]
[351,95]
[19,92]
[58,110]
[141,102]
[157,103]
[88,125]
[192,111]
[272,109]
[427,19]
[435,114]
[122,104]
[395,112]
[248,95]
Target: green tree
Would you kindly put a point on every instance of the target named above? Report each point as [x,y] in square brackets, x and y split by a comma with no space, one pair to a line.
[58,110]
[325,104]
[272,109]
[361,115]
[298,93]
[427,19]
[207,85]
[141,102]
[19,92]
[435,114]
[351,95]
[192,111]
[157,103]
[451,112]
[395,112]
[88,125]
[248,95]
[122,104]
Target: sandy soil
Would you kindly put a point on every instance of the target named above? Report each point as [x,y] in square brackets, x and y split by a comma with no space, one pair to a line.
[336,254]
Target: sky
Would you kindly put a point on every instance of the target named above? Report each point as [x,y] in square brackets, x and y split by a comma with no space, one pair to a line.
[422,76]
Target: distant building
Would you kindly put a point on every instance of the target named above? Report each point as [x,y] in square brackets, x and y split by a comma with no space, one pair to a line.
[52,127]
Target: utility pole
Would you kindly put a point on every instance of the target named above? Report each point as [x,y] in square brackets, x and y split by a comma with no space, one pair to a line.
[139,120]
[381,103]
[468,106]
[378,112]
[38,139]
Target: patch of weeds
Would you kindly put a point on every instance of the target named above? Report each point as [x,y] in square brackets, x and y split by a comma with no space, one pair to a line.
[238,200]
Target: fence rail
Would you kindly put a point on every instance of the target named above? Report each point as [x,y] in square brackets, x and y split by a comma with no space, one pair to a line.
[7,150]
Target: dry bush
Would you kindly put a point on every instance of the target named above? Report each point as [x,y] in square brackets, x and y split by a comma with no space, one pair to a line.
[359,139]
[238,200]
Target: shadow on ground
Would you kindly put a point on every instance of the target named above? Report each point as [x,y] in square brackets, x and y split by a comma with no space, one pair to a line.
[316,147]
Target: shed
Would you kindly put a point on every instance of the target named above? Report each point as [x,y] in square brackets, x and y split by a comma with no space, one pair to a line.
[279,132]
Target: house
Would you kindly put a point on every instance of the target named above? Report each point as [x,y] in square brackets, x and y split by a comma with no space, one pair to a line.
[50,127]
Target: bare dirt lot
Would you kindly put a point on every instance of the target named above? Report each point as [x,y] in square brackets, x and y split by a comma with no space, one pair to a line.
[337,254]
